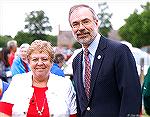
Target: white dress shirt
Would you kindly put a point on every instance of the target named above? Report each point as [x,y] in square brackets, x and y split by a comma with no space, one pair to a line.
[92,49]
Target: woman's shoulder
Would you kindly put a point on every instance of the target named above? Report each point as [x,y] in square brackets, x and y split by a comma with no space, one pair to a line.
[59,80]
[24,77]
[56,77]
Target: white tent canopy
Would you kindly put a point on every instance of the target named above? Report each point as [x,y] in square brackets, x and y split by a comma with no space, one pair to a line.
[139,55]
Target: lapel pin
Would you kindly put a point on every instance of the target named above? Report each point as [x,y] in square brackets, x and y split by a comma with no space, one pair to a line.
[99,56]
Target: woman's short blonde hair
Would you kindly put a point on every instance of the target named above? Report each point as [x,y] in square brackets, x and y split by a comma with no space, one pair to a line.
[41,46]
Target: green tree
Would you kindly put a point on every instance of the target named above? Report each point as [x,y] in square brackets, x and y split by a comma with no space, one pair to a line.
[137,27]
[52,39]
[77,45]
[37,25]
[23,37]
[104,17]
[4,40]
[37,22]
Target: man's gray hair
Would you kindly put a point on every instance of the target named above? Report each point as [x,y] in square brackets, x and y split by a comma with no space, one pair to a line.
[11,43]
[82,5]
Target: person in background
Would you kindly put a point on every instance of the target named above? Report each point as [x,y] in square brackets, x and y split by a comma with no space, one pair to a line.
[146,92]
[104,72]
[2,68]
[39,93]
[3,87]
[12,46]
[5,54]
[4,65]
[20,64]
[59,60]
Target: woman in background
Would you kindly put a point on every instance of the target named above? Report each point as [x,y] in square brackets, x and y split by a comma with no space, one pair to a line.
[20,64]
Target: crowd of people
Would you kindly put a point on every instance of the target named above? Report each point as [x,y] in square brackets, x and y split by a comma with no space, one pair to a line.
[7,56]
[105,79]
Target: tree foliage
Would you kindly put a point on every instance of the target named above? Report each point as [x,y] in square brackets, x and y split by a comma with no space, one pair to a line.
[23,37]
[104,17]
[37,26]
[52,39]
[137,27]
[77,45]
[37,22]
[4,40]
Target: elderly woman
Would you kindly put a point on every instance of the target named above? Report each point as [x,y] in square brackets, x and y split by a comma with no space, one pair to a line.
[20,64]
[39,93]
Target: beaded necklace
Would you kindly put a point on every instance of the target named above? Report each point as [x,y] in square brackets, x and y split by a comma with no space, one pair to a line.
[40,112]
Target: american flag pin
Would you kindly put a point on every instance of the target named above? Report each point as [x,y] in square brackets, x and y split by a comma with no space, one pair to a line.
[99,57]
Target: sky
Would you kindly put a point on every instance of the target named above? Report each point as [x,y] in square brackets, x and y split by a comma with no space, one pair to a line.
[13,12]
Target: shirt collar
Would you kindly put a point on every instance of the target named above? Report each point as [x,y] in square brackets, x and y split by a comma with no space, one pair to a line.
[93,46]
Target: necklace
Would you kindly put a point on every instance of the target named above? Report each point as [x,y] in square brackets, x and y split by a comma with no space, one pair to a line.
[40,112]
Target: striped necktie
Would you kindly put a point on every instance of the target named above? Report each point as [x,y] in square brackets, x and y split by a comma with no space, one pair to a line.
[87,74]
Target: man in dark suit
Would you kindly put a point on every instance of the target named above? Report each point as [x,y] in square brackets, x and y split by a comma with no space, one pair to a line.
[112,87]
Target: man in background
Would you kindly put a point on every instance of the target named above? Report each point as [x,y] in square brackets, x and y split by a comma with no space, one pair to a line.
[12,46]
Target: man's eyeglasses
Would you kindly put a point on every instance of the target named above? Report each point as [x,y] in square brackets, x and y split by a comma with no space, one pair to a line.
[84,22]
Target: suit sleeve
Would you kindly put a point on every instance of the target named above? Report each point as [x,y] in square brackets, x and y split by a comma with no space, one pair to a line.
[128,82]
[74,68]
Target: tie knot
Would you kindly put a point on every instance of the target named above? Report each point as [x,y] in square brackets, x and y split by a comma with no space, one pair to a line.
[86,52]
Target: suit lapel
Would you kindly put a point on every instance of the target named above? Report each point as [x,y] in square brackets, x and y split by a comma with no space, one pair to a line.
[99,56]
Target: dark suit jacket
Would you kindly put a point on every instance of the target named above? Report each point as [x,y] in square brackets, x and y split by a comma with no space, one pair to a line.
[115,88]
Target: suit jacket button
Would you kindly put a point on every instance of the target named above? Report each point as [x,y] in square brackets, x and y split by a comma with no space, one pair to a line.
[88,109]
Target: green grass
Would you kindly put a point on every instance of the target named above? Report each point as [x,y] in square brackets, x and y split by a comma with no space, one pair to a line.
[145,115]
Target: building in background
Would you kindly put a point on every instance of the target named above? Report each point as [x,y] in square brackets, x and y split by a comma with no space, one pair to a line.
[65,41]
[113,34]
